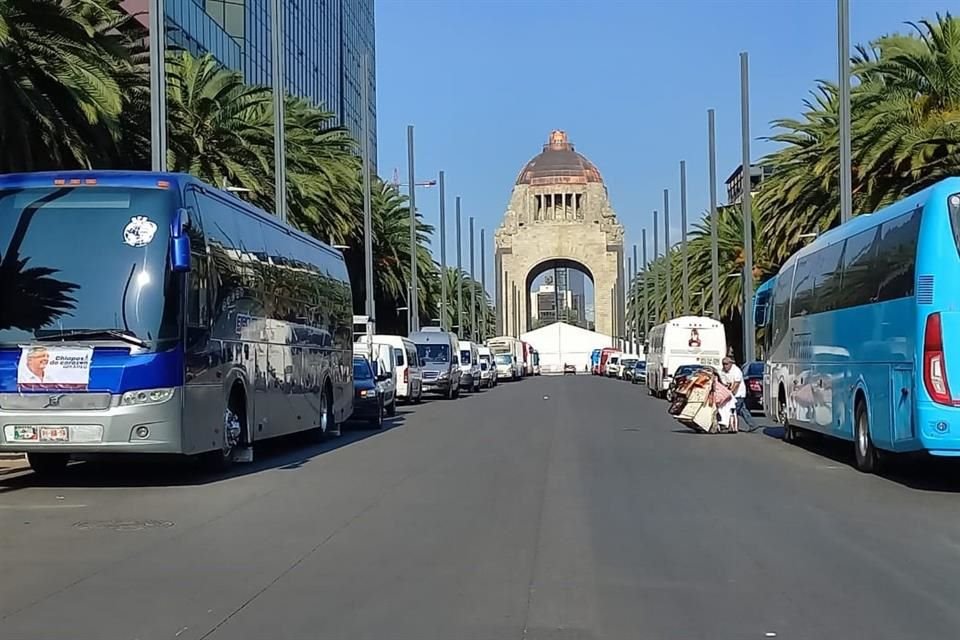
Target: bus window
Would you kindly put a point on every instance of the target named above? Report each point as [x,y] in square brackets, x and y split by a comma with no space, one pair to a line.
[859,284]
[896,256]
[803,298]
[826,279]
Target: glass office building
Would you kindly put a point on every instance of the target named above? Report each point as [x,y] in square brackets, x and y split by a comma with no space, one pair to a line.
[324,44]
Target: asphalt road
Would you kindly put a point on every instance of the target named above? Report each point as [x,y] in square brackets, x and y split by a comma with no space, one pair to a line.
[553,508]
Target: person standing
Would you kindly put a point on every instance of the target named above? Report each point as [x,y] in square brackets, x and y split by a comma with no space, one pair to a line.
[732,378]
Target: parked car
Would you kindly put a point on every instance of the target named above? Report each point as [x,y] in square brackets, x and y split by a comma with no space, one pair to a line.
[626,368]
[753,380]
[570,369]
[639,372]
[680,378]
[470,369]
[368,395]
[613,366]
[507,367]
[488,369]
[409,375]
[439,353]
[384,365]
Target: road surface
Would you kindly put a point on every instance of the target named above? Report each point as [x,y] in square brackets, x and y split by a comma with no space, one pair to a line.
[553,508]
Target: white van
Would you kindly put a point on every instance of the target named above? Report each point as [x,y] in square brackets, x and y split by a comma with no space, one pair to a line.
[406,363]
[488,368]
[683,340]
[469,366]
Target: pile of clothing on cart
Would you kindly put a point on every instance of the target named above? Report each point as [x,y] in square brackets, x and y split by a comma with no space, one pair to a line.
[704,403]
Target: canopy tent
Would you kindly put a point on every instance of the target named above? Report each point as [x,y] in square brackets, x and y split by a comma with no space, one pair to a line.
[561,343]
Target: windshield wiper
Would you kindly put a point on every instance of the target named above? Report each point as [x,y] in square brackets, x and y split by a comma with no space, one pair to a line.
[92,334]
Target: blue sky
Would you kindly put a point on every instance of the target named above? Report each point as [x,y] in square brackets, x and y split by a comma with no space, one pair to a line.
[485,81]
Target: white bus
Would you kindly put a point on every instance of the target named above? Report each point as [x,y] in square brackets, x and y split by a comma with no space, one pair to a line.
[680,341]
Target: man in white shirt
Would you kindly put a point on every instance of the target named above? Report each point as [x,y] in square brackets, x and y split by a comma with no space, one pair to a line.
[33,365]
[732,378]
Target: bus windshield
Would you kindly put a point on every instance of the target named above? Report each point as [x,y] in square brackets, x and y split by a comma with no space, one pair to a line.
[87,261]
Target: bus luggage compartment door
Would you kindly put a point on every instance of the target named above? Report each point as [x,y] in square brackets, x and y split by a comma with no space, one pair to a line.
[901,396]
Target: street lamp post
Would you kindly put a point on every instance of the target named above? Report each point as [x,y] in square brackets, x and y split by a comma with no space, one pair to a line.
[683,237]
[412,188]
[473,291]
[367,207]
[843,62]
[483,287]
[459,274]
[633,284]
[714,248]
[646,301]
[158,87]
[656,274]
[748,329]
[279,157]
[666,250]
[443,255]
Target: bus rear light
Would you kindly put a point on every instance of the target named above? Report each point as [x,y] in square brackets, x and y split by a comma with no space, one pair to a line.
[935,362]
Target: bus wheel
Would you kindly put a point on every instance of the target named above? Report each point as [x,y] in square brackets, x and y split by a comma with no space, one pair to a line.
[789,431]
[868,458]
[232,432]
[326,427]
[47,463]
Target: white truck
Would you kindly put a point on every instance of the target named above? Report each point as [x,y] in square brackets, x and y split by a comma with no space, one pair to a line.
[508,354]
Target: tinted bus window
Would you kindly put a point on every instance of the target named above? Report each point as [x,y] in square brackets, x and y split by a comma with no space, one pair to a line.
[803,286]
[896,256]
[826,281]
[859,282]
[781,307]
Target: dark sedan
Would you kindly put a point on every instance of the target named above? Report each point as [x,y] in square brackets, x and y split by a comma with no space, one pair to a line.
[753,380]
[368,398]
[680,378]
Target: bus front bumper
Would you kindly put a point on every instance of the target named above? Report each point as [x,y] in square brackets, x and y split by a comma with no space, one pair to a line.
[146,428]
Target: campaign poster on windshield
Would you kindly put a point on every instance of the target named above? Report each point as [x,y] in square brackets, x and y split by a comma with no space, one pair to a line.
[54,368]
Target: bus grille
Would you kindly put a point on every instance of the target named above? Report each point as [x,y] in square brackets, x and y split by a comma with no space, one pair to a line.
[925,289]
[54,401]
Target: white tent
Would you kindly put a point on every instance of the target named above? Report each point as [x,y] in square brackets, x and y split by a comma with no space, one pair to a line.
[561,343]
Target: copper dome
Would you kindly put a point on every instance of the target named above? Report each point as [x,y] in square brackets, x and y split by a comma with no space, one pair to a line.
[558,163]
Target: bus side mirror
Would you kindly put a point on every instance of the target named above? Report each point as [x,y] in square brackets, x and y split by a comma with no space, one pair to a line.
[180,242]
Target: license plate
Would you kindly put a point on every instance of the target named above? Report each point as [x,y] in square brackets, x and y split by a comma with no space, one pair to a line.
[26,434]
[54,434]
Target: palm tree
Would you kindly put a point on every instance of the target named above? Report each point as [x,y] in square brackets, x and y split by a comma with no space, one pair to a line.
[61,101]
[220,128]
[482,305]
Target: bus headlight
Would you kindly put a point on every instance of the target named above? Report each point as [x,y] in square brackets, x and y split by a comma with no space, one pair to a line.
[145,396]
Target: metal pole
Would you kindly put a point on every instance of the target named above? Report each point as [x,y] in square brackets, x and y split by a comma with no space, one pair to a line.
[666,250]
[748,330]
[646,300]
[473,291]
[714,249]
[367,209]
[158,87]
[656,271]
[636,309]
[683,237]
[629,298]
[279,156]
[843,62]
[443,256]
[459,275]
[483,287]
[412,188]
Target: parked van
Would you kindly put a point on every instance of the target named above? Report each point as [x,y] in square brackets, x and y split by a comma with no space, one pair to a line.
[488,368]
[409,373]
[383,362]
[439,353]
[469,366]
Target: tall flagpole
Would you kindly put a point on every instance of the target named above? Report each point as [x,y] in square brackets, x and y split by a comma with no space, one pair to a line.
[843,62]
[413,304]
[714,248]
[748,329]
[443,256]
[683,237]
[459,275]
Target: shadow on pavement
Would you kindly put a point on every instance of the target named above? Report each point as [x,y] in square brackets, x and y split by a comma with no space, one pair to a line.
[287,453]
[913,470]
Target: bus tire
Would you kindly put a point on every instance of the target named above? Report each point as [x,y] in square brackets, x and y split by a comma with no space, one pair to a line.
[867,456]
[233,432]
[790,432]
[48,463]
[326,420]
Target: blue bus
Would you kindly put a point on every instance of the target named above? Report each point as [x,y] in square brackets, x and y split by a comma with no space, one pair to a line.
[151,313]
[863,329]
